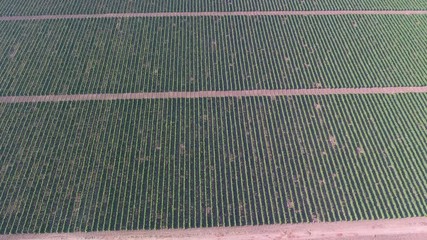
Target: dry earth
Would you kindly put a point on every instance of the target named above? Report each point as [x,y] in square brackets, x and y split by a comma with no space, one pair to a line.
[204,14]
[211,94]
[408,228]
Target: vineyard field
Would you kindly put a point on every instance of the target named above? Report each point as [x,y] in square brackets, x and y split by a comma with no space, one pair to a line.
[181,163]
[211,53]
[44,7]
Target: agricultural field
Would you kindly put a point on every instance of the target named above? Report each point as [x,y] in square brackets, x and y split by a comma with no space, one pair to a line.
[196,115]
[123,55]
[184,163]
[44,7]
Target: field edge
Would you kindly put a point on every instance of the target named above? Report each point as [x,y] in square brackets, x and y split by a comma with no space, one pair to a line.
[405,228]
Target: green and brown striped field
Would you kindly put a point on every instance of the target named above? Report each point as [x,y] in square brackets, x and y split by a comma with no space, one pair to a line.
[104,160]
[150,164]
[210,53]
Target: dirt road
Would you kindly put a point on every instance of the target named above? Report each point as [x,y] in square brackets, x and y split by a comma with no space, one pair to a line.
[212,94]
[409,228]
[208,14]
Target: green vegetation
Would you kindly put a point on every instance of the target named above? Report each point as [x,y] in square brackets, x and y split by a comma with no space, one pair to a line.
[44,7]
[185,163]
[211,53]
[149,164]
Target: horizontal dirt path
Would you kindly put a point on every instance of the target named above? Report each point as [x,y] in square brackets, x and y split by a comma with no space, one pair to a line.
[204,14]
[407,228]
[211,94]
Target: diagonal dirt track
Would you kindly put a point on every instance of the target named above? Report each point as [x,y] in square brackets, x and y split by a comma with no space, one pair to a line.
[211,94]
[207,14]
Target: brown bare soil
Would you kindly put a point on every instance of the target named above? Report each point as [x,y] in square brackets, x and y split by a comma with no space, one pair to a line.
[408,228]
[203,14]
[212,94]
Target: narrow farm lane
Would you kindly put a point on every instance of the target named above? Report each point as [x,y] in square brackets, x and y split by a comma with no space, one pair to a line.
[408,228]
[212,94]
[212,14]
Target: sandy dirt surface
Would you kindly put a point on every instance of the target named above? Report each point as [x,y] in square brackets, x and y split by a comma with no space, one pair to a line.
[408,228]
[204,14]
[212,94]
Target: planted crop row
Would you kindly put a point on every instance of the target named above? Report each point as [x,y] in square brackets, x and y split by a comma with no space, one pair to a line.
[180,163]
[43,7]
[211,53]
